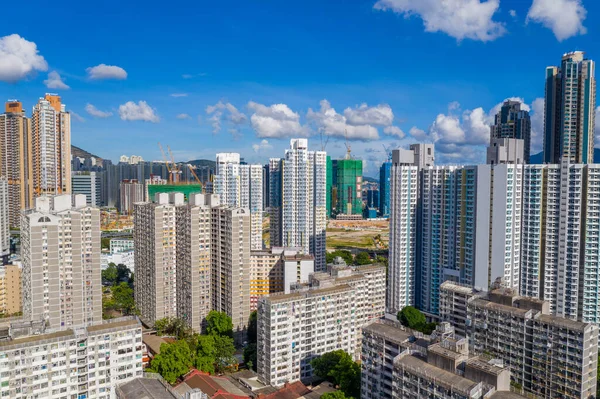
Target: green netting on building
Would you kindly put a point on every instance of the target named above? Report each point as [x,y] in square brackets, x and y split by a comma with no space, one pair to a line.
[349,181]
[186,189]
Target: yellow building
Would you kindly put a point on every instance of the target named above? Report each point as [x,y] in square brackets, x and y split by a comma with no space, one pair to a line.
[10,290]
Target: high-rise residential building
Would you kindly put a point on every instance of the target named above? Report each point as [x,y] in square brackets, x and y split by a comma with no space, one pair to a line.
[91,185]
[505,151]
[51,146]
[349,186]
[513,122]
[569,113]
[325,315]
[60,251]
[81,362]
[4,221]
[385,173]
[230,259]
[241,185]
[424,154]
[266,186]
[16,159]
[404,191]
[298,198]
[329,185]
[130,191]
[11,299]
[532,343]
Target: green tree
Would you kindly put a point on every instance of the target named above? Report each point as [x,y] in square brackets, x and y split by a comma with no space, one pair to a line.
[250,356]
[224,350]
[411,317]
[339,368]
[173,361]
[110,275]
[322,365]
[342,253]
[123,273]
[172,326]
[253,327]
[122,297]
[206,353]
[105,243]
[334,395]
[219,323]
[362,258]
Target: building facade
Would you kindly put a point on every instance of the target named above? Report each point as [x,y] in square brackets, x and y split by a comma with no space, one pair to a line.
[91,185]
[16,159]
[384,189]
[505,151]
[349,186]
[569,113]
[11,298]
[60,251]
[513,122]
[130,192]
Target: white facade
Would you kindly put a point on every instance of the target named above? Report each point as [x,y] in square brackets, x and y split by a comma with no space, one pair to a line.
[88,184]
[126,258]
[76,363]
[4,220]
[60,251]
[120,245]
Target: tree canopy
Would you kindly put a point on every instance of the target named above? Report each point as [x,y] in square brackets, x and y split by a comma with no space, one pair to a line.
[253,327]
[362,258]
[342,253]
[250,355]
[412,318]
[219,323]
[339,368]
[334,395]
[174,360]
[172,326]
[110,275]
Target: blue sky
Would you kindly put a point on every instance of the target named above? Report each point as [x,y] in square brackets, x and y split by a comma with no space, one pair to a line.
[245,76]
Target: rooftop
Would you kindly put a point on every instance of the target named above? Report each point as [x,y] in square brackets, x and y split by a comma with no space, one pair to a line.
[6,345]
[506,395]
[144,388]
[563,322]
[484,303]
[153,342]
[444,352]
[390,331]
[479,364]
[107,325]
[277,298]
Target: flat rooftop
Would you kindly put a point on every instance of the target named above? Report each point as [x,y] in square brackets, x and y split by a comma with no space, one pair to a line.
[144,388]
[447,353]
[562,322]
[484,303]
[479,364]
[277,298]
[389,332]
[6,345]
[117,324]
[506,395]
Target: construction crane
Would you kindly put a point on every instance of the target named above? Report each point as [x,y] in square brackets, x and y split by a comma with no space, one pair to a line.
[388,152]
[172,167]
[175,171]
[195,175]
[323,146]
[348,149]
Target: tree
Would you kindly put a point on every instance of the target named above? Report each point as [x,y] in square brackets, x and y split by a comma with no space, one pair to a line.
[324,364]
[173,361]
[334,395]
[123,273]
[224,350]
[218,323]
[253,327]
[172,326]
[411,317]
[105,243]
[250,356]
[362,258]
[339,368]
[122,297]
[342,253]
[206,353]
[110,275]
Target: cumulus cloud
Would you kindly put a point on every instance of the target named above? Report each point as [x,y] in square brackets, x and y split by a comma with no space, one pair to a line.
[92,110]
[380,115]
[130,111]
[176,95]
[513,13]
[262,146]
[330,123]
[103,72]
[564,17]
[183,116]
[276,121]
[54,81]
[19,58]
[227,111]
[460,19]
[418,134]
[394,131]
[77,117]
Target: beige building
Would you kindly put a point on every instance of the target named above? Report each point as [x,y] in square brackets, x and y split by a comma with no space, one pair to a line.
[16,158]
[60,251]
[10,290]
[51,146]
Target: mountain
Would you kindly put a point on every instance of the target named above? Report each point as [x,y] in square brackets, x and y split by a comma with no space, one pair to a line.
[80,153]
[370,179]
[202,163]
[538,158]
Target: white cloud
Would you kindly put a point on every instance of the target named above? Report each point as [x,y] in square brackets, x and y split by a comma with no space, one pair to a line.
[130,111]
[176,95]
[262,146]
[331,123]
[77,117]
[92,110]
[513,13]
[564,17]
[380,115]
[447,129]
[54,81]
[276,121]
[394,131]
[103,71]
[460,19]
[454,106]
[19,58]
[183,116]
[419,134]
[217,111]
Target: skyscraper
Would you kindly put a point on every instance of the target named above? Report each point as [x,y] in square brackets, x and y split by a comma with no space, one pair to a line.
[4,221]
[511,122]
[384,189]
[91,185]
[60,250]
[51,146]
[299,208]
[569,114]
[241,185]
[16,158]
[349,186]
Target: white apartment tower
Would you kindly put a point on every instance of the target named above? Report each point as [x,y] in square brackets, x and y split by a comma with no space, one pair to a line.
[4,220]
[241,186]
[60,250]
[51,146]
[300,203]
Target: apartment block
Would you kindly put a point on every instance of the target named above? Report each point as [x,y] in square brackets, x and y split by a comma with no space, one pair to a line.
[51,146]
[512,122]
[16,159]
[91,185]
[60,251]
[118,245]
[4,221]
[505,150]
[130,192]
[324,315]
[10,290]
[299,200]
[532,343]
[79,362]
[275,269]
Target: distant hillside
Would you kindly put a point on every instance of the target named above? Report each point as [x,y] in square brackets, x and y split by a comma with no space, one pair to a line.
[203,162]
[538,158]
[371,179]
[80,153]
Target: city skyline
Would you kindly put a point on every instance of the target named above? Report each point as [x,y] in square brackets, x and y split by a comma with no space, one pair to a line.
[270,85]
